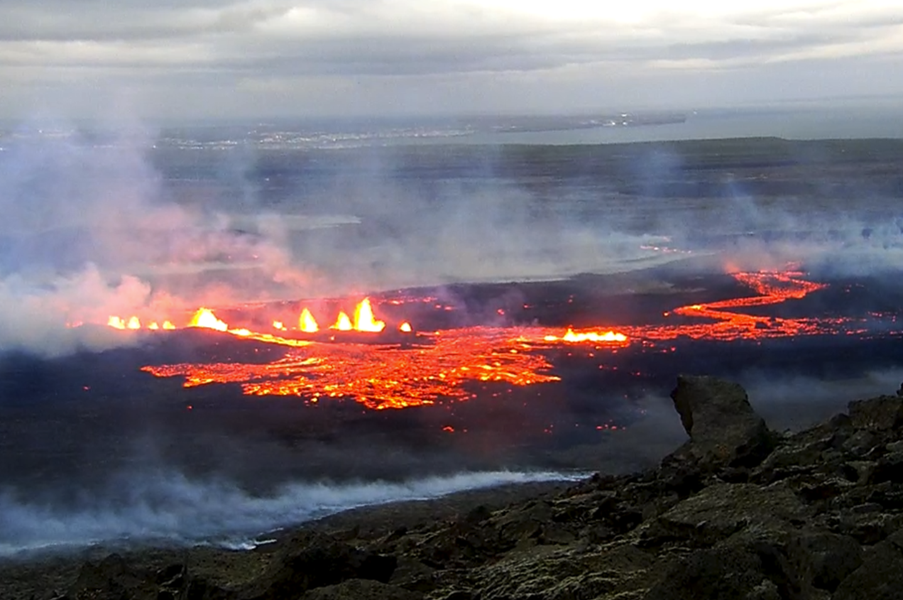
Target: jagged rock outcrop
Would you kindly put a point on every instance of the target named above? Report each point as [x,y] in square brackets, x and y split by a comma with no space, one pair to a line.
[113,578]
[723,509]
[883,413]
[724,430]
[736,513]
[358,589]
[312,560]
[880,576]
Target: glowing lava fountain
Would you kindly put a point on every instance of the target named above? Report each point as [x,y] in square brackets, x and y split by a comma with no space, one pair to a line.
[307,323]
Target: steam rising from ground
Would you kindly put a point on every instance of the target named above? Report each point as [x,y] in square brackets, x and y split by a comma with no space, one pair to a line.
[169,506]
[796,402]
[87,223]
[91,228]
[830,240]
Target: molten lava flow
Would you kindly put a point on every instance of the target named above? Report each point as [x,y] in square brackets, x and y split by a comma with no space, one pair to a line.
[342,323]
[449,364]
[588,336]
[363,318]
[773,287]
[307,323]
[204,317]
[385,376]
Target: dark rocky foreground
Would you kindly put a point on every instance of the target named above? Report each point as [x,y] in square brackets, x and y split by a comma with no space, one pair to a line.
[739,511]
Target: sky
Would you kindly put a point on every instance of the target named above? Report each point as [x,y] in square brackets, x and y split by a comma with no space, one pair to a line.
[258,58]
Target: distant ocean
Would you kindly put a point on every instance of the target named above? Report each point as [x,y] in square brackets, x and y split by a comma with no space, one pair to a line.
[799,124]
[795,122]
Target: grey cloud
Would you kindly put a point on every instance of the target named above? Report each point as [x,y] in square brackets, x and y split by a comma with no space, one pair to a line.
[750,49]
[235,44]
[135,21]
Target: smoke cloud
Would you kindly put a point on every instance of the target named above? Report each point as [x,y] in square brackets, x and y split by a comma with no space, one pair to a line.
[90,231]
[834,229]
[796,402]
[168,506]
[94,228]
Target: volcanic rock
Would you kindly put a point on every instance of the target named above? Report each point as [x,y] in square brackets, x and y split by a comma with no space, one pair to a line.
[724,430]
[877,414]
[736,513]
[825,559]
[722,510]
[881,575]
[358,589]
[111,579]
[725,573]
[310,560]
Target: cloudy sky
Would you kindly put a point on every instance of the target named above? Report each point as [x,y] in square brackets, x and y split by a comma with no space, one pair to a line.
[189,58]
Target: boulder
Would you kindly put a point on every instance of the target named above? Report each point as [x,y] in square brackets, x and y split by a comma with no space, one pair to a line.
[311,560]
[719,511]
[724,430]
[357,589]
[560,574]
[824,559]
[734,572]
[877,414]
[888,468]
[880,576]
[112,579]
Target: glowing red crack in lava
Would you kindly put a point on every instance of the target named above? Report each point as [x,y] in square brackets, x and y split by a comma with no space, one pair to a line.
[426,367]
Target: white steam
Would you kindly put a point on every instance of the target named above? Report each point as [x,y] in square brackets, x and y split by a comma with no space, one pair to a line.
[833,235]
[168,506]
[90,229]
[795,402]
[88,232]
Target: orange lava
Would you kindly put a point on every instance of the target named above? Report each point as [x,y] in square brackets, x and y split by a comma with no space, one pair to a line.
[723,321]
[385,376]
[307,323]
[364,319]
[116,323]
[342,323]
[587,336]
[448,364]
[204,317]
